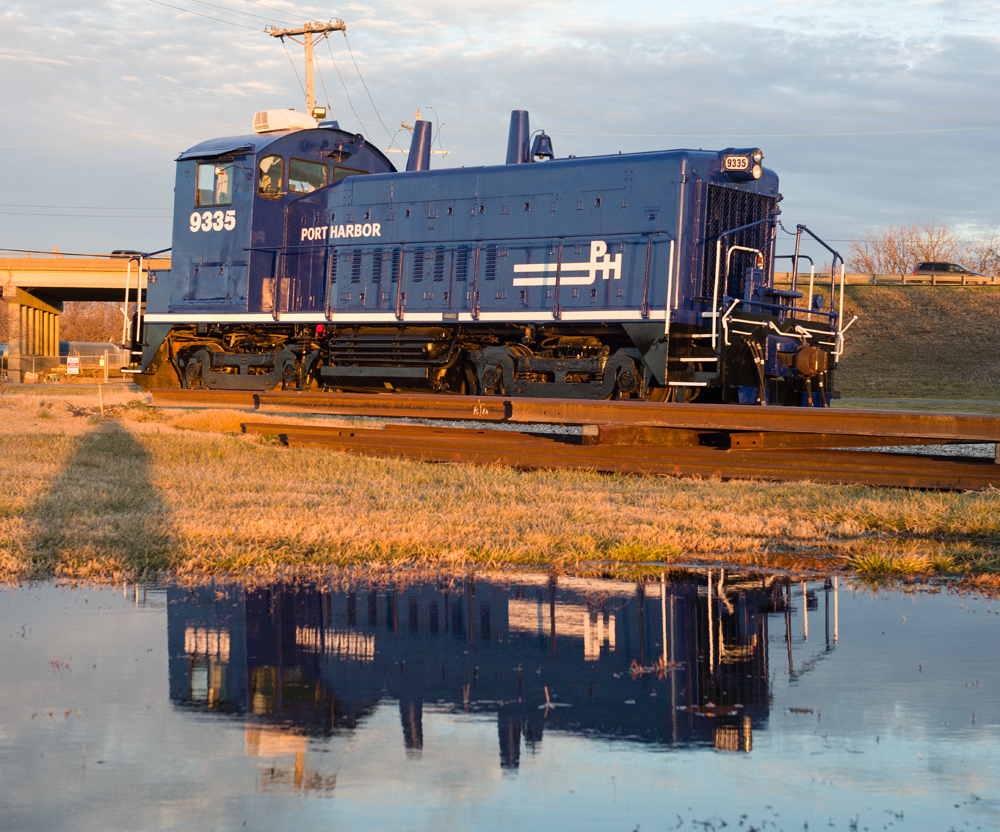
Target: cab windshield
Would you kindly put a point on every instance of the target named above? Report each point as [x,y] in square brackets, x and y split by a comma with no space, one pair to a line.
[305,177]
[269,174]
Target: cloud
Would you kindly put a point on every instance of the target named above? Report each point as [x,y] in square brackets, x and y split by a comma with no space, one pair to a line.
[884,117]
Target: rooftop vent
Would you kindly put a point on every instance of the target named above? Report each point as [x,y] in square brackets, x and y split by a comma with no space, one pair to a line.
[270,121]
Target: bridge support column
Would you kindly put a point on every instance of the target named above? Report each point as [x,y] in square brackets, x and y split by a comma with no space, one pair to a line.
[33,333]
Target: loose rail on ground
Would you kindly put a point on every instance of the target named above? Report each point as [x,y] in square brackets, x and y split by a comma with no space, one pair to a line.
[791,444]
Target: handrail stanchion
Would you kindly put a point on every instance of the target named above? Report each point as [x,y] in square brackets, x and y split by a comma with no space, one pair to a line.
[840,312]
[715,294]
[137,338]
[128,285]
[795,262]
[812,280]
[670,289]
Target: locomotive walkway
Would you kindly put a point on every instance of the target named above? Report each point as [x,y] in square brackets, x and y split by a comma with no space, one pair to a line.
[786,444]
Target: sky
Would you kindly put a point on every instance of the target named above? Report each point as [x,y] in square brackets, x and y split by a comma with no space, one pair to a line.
[872,113]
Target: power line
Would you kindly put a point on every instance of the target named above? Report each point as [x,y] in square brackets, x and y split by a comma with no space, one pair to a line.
[591,113]
[272,9]
[309,31]
[82,207]
[967,123]
[344,85]
[440,124]
[85,216]
[206,16]
[233,11]
[293,66]
[737,134]
[351,52]
[54,254]
[322,83]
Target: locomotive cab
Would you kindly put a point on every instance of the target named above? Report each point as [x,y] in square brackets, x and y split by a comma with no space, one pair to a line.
[230,199]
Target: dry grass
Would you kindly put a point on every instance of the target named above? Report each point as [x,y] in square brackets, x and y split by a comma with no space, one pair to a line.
[180,493]
[937,342]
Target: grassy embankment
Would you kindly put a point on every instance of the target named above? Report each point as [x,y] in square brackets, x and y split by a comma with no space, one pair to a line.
[922,342]
[182,493]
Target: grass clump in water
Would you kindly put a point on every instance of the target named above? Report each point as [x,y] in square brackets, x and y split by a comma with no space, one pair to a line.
[883,563]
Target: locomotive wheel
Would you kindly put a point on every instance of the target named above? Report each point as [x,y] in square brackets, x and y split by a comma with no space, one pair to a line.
[289,374]
[192,371]
[627,381]
[491,377]
[657,394]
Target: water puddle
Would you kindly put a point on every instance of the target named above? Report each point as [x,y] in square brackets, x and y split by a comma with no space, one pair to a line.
[701,701]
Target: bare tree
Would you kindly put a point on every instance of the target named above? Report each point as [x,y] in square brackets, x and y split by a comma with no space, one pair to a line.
[4,310]
[91,322]
[897,249]
[983,255]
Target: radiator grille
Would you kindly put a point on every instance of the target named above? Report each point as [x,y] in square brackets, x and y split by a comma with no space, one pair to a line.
[731,208]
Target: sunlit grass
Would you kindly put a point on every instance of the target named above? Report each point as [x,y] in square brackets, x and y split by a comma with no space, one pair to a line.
[916,342]
[181,493]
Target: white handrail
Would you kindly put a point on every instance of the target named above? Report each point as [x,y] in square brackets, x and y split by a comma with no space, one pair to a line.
[839,349]
[840,315]
[128,285]
[812,279]
[715,295]
[725,326]
[137,335]
[730,250]
[670,287]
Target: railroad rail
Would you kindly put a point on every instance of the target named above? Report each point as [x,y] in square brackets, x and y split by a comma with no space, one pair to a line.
[786,444]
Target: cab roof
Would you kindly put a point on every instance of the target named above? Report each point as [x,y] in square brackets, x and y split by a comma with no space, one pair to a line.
[231,144]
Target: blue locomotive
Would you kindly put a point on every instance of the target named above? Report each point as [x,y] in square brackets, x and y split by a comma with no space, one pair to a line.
[302,259]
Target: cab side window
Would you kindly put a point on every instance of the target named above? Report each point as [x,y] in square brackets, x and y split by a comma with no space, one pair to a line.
[305,177]
[269,175]
[215,183]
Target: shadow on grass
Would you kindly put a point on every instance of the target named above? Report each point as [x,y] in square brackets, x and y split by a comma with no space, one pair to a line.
[102,516]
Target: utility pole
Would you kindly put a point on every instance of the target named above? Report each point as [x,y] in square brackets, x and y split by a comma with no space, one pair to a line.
[307,31]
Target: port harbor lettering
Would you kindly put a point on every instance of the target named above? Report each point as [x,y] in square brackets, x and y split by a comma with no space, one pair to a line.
[319,232]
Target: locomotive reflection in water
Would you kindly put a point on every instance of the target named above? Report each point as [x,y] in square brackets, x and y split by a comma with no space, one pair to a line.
[673,663]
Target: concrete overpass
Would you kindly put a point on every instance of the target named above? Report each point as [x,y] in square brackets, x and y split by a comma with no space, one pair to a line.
[35,288]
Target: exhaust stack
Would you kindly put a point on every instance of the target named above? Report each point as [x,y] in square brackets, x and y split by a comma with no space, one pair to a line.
[517,139]
[420,147]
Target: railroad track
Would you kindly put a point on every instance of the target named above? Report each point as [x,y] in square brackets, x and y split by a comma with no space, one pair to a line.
[783,444]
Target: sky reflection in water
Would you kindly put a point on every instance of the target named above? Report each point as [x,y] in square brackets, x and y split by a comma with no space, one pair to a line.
[453,707]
